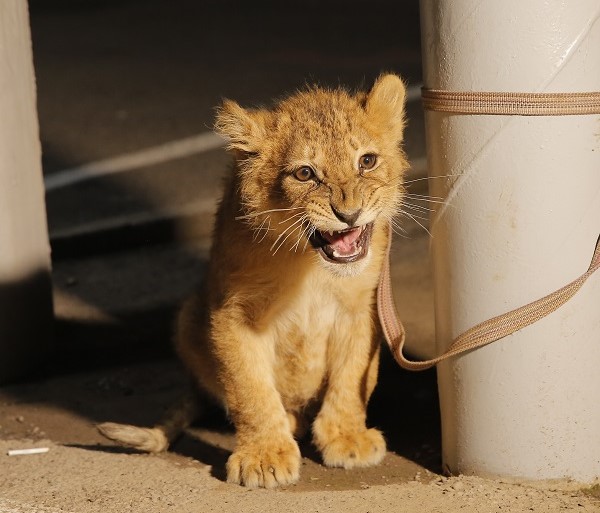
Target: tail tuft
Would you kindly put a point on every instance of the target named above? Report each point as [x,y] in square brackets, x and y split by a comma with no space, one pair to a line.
[142,439]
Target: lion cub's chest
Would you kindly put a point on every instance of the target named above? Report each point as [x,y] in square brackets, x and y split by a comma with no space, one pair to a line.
[301,341]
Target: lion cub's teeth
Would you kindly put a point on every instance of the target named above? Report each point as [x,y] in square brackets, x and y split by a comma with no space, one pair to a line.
[330,232]
[337,254]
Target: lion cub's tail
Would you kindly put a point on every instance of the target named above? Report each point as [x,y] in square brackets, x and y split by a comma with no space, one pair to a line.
[158,438]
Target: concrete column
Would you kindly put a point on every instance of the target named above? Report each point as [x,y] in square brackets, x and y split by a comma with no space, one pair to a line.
[521,220]
[25,289]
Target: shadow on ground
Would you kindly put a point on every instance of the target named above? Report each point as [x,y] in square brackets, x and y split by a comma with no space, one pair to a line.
[65,409]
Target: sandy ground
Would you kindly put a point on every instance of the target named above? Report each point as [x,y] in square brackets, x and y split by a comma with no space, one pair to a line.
[83,473]
[80,478]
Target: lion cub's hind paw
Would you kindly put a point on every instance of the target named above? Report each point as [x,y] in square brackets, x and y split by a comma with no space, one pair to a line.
[354,449]
[142,439]
[265,466]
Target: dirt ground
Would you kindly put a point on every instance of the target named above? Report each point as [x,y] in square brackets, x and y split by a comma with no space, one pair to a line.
[83,473]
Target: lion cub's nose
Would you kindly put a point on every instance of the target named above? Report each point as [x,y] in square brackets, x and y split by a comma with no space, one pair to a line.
[347,217]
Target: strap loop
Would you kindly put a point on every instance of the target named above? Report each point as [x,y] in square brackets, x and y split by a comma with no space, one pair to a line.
[511,104]
[479,335]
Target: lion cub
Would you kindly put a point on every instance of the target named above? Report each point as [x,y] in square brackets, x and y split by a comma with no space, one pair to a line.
[287,323]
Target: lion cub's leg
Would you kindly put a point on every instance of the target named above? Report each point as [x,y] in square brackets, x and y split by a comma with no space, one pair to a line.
[339,430]
[266,453]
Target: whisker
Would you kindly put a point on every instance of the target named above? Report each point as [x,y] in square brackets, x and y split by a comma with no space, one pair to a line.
[267,230]
[418,217]
[396,224]
[418,208]
[396,227]
[414,218]
[297,214]
[310,233]
[296,225]
[261,227]
[286,238]
[304,231]
[433,202]
[423,197]
[398,230]
[279,237]
[295,245]
[302,216]
[413,180]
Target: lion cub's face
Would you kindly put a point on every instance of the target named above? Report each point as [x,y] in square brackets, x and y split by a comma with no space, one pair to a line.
[319,170]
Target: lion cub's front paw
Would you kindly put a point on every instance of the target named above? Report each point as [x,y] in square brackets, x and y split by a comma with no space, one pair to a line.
[353,449]
[268,464]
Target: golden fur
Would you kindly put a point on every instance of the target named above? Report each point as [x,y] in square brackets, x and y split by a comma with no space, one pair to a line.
[284,329]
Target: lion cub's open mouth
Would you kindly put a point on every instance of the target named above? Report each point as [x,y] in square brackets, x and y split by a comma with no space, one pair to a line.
[344,246]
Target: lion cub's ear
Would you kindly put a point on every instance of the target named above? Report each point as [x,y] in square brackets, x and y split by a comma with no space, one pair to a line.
[245,128]
[385,104]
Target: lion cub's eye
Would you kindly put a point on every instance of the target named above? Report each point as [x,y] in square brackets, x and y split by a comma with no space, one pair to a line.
[304,173]
[367,162]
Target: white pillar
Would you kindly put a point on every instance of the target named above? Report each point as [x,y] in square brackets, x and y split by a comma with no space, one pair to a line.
[25,292]
[522,219]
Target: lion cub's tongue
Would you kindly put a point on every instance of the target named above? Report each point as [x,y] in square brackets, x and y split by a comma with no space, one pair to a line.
[343,243]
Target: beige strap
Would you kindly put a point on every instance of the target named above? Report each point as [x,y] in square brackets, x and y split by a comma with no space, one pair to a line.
[519,104]
[480,335]
[489,103]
